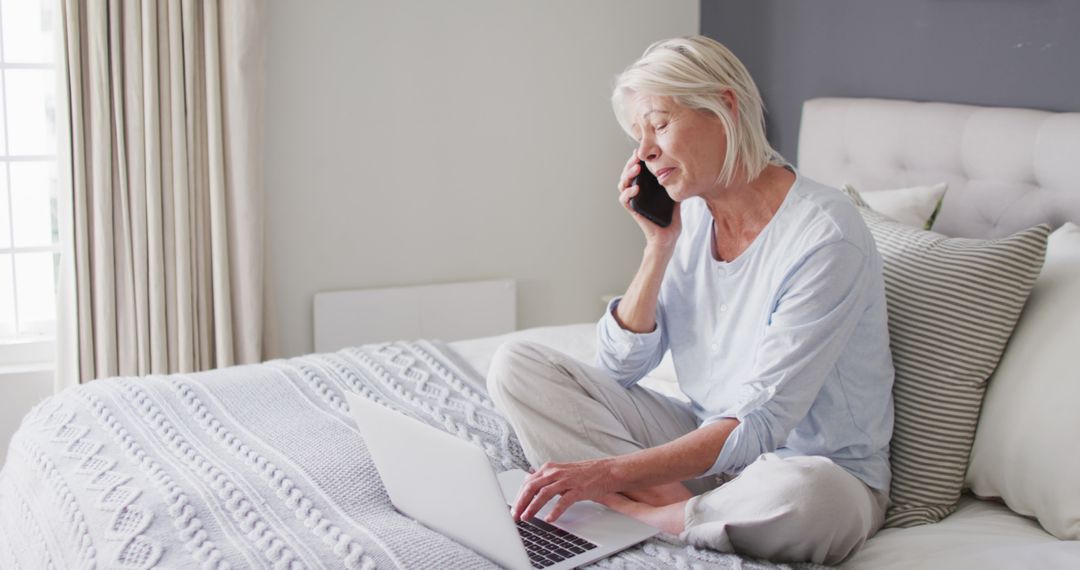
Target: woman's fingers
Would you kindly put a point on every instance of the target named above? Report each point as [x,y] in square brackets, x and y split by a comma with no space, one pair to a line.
[539,488]
[539,500]
[573,481]
[564,503]
[631,170]
[632,162]
[627,194]
[534,483]
[525,496]
[624,199]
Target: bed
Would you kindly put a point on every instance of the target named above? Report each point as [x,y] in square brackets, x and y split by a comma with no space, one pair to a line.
[260,466]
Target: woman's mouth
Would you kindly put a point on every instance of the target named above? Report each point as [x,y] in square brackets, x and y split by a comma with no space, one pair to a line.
[663,173]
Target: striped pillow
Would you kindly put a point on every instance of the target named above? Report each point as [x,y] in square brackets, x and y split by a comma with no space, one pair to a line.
[952,306]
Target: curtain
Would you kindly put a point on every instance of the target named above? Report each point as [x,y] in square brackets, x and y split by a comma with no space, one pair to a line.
[162,267]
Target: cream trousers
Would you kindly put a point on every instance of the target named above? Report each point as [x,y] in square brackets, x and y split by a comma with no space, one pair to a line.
[781,509]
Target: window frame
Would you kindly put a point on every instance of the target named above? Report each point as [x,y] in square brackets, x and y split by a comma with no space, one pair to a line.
[22,347]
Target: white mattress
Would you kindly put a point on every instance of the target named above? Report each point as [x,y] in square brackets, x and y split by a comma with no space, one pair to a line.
[981,534]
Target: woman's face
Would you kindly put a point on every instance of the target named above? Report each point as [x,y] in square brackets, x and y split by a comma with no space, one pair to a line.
[683,147]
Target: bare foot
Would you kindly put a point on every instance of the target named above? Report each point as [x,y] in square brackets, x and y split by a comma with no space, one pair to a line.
[668,518]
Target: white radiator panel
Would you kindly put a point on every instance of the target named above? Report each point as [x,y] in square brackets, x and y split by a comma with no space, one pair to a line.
[448,312]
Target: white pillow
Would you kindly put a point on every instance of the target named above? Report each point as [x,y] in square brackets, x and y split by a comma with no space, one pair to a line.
[916,206]
[1027,446]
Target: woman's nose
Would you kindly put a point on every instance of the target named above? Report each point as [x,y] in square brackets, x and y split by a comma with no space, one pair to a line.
[647,149]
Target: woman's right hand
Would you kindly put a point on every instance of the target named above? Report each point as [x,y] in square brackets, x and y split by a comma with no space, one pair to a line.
[655,236]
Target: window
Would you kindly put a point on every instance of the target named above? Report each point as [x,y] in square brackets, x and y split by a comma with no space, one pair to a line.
[29,236]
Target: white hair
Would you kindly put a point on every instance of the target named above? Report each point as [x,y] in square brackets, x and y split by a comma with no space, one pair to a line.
[695,71]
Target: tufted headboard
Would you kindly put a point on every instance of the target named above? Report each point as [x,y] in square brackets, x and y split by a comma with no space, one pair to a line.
[1007,169]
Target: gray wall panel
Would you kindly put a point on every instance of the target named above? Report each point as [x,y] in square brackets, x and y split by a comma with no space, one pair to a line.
[1017,53]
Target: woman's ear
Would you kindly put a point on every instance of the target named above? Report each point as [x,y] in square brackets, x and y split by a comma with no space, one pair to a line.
[732,104]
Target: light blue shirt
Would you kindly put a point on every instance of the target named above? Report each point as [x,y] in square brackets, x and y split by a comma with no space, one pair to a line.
[790,338]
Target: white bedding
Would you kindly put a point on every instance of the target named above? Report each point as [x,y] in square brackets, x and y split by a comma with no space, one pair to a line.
[256,466]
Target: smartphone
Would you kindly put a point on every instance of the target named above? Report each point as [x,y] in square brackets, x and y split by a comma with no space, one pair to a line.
[652,201]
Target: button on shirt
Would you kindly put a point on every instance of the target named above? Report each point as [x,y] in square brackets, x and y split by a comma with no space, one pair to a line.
[790,338]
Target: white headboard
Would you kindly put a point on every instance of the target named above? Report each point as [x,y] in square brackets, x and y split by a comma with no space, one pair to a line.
[1007,169]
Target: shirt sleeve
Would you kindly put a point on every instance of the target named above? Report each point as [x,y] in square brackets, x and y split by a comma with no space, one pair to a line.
[625,355]
[814,315]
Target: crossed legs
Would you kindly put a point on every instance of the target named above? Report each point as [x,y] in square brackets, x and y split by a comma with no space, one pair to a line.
[794,508]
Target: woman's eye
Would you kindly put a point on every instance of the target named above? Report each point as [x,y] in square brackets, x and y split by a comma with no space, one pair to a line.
[660,127]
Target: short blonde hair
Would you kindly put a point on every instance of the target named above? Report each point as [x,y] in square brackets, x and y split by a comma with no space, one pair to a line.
[695,71]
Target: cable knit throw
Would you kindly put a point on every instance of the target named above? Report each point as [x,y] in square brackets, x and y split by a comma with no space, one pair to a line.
[250,467]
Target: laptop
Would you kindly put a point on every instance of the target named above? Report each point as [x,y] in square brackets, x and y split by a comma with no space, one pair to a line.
[448,485]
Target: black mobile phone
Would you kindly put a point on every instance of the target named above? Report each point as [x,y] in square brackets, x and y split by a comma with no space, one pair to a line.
[652,201]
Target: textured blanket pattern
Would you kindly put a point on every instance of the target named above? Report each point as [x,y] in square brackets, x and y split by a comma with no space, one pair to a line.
[250,467]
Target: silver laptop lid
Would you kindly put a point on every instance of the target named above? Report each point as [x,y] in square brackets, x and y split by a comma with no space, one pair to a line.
[439,480]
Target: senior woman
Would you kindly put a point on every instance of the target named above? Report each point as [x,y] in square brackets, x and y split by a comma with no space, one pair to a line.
[768,291]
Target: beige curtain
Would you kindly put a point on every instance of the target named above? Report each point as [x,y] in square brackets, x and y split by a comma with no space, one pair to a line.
[162,268]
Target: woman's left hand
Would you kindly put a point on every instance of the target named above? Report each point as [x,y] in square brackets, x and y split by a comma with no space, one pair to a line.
[578,481]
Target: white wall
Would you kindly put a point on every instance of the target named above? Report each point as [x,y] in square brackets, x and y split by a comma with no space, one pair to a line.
[414,142]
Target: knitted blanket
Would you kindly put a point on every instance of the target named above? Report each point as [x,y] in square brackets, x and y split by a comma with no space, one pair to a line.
[251,467]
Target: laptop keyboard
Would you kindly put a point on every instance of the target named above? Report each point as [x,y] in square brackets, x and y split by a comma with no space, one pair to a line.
[548,545]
